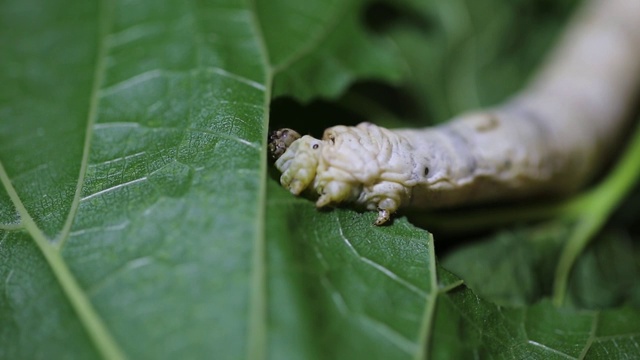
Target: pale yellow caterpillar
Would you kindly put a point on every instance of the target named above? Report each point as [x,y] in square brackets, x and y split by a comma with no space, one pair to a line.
[548,140]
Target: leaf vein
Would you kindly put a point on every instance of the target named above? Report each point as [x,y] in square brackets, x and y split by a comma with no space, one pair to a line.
[390,334]
[337,298]
[431,300]
[257,322]
[11,227]
[390,274]
[96,329]
[592,335]
[113,188]
[149,75]
[613,337]
[546,348]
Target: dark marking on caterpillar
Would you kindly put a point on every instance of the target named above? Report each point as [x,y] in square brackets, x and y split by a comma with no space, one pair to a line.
[462,146]
[487,122]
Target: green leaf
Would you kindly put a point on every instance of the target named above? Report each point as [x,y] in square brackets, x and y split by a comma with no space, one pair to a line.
[129,133]
[513,267]
[139,217]
[133,159]
[598,282]
[470,54]
[320,48]
[345,286]
[468,326]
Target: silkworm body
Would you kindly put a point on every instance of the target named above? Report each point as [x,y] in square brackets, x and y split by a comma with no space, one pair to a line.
[366,164]
[548,140]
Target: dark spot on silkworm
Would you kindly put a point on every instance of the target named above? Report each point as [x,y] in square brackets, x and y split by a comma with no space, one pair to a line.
[487,122]
[315,146]
[426,171]
[332,139]
[458,140]
[472,163]
[531,116]
[463,148]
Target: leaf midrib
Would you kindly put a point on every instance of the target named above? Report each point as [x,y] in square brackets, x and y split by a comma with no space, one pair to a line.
[257,322]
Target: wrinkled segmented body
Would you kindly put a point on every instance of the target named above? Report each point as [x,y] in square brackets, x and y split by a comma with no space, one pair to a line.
[550,139]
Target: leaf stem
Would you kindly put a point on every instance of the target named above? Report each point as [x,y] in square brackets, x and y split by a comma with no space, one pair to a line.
[596,207]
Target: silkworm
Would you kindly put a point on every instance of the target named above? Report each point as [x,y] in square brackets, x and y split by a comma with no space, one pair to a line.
[548,140]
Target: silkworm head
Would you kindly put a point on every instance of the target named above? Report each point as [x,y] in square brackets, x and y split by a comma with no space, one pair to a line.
[280,140]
